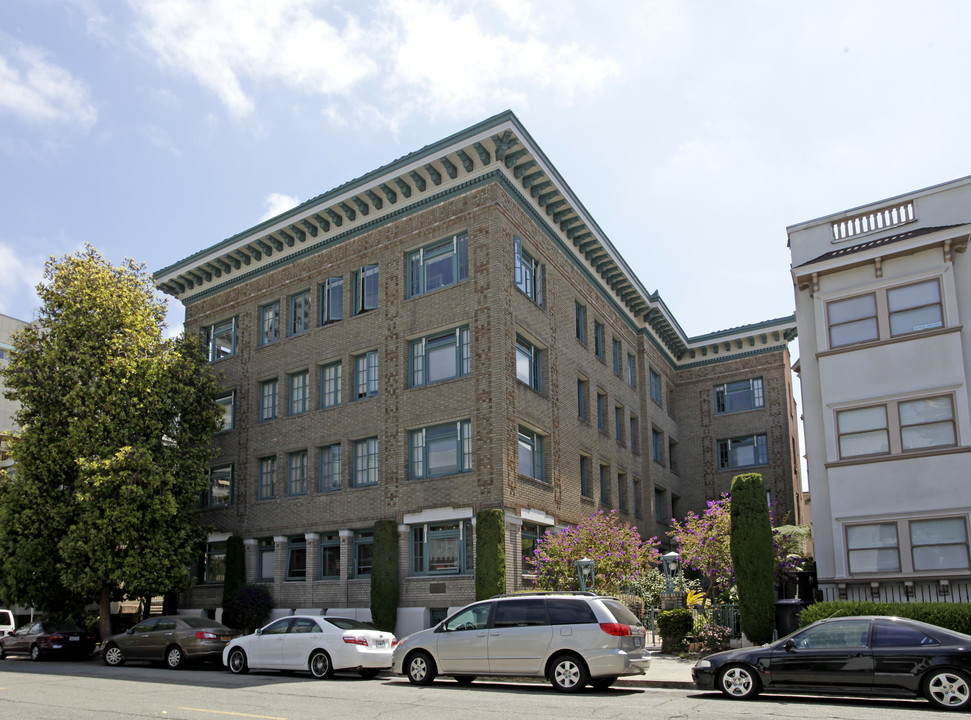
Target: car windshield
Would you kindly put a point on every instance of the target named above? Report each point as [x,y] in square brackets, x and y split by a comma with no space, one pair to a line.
[349,623]
[201,622]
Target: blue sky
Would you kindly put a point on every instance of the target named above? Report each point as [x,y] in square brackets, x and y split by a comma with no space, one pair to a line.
[693,132]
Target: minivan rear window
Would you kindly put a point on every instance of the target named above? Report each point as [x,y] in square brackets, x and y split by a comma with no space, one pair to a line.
[569,612]
[621,613]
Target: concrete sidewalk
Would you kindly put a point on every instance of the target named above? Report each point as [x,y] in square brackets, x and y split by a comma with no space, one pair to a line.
[666,671]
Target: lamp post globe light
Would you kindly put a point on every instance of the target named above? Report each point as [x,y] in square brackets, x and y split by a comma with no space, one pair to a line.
[585,572]
[672,568]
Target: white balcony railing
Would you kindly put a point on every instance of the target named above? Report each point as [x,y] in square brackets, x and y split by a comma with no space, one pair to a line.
[882,219]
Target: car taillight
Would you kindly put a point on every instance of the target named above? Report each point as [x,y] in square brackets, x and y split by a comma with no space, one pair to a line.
[355,640]
[394,641]
[56,638]
[618,629]
[206,635]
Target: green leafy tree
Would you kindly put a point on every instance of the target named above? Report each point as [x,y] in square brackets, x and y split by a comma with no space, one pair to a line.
[703,543]
[619,554]
[753,557]
[116,436]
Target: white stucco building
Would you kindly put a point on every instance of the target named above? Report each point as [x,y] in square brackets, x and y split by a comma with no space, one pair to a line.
[882,295]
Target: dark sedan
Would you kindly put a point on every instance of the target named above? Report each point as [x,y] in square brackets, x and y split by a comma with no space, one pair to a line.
[870,656]
[170,639]
[48,638]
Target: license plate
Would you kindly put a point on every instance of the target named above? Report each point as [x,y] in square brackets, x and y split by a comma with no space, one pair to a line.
[638,642]
[225,638]
[380,643]
[74,638]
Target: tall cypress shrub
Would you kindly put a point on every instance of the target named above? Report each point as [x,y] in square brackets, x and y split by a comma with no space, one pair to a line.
[235,577]
[490,554]
[753,558]
[384,575]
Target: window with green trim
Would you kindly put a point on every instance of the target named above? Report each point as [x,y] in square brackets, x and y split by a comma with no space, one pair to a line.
[438,357]
[441,450]
[443,548]
[440,264]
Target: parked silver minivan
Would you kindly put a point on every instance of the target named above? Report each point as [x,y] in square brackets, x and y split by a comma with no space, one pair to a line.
[571,639]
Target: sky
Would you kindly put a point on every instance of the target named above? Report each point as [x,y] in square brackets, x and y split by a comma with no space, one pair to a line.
[693,131]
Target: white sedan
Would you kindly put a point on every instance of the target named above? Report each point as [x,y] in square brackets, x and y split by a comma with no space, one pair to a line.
[315,643]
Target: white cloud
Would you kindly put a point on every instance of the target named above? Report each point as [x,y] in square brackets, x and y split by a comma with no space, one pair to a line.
[277,203]
[160,138]
[39,91]
[19,276]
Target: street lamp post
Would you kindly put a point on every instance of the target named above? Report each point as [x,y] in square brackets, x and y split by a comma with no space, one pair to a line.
[672,564]
[585,572]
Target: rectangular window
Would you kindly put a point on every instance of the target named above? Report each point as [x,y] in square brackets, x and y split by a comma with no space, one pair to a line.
[330,556]
[330,468]
[529,534]
[266,550]
[441,549]
[297,558]
[673,456]
[743,452]
[582,391]
[863,431]
[739,396]
[635,435]
[914,308]
[214,563]
[619,423]
[602,412]
[618,356]
[299,393]
[331,379]
[604,484]
[366,462]
[441,450]
[529,366]
[636,495]
[939,544]
[300,312]
[270,323]
[331,300]
[531,461]
[528,272]
[655,386]
[585,476]
[873,548]
[365,289]
[438,265]
[268,395]
[266,478]
[438,357]
[580,317]
[227,404]
[220,339]
[220,492]
[622,492]
[660,514]
[598,340]
[366,375]
[297,473]
[853,320]
[926,423]
[363,552]
[631,370]
[657,445]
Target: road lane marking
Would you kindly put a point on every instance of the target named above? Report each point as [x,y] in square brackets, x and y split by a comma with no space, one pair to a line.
[234,714]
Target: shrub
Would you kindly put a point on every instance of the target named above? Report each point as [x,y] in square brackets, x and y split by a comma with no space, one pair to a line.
[490,554]
[235,577]
[384,575]
[248,608]
[952,616]
[714,637]
[753,557]
[674,627]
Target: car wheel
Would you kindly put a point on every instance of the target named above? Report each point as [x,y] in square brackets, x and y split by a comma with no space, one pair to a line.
[174,657]
[3,653]
[464,679]
[739,682]
[368,673]
[602,683]
[948,689]
[421,668]
[568,673]
[320,665]
[237,662]
[112,655]
[35,652]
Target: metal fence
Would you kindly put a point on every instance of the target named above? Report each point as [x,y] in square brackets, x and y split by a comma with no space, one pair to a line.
[726,615]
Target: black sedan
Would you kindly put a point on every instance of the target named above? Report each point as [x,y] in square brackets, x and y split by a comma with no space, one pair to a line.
[870,656]
[47,638]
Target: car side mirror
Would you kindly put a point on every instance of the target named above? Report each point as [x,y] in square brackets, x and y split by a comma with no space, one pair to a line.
[130,631]
[790,645]
[259,631]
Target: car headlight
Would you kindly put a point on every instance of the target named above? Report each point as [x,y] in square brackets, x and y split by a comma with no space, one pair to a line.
[702,664]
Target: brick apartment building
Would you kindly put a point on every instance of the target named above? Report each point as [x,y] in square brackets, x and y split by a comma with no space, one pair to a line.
[447,334]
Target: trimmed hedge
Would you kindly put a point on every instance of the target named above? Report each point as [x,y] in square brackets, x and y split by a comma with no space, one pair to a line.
[490,554]
[753,557]
[674,626]
[384,575]
[953,616]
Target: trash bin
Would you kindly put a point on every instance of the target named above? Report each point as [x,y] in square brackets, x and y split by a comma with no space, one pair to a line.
[787,615]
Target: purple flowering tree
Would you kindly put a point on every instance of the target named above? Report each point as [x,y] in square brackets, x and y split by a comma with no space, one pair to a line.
[621,556]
